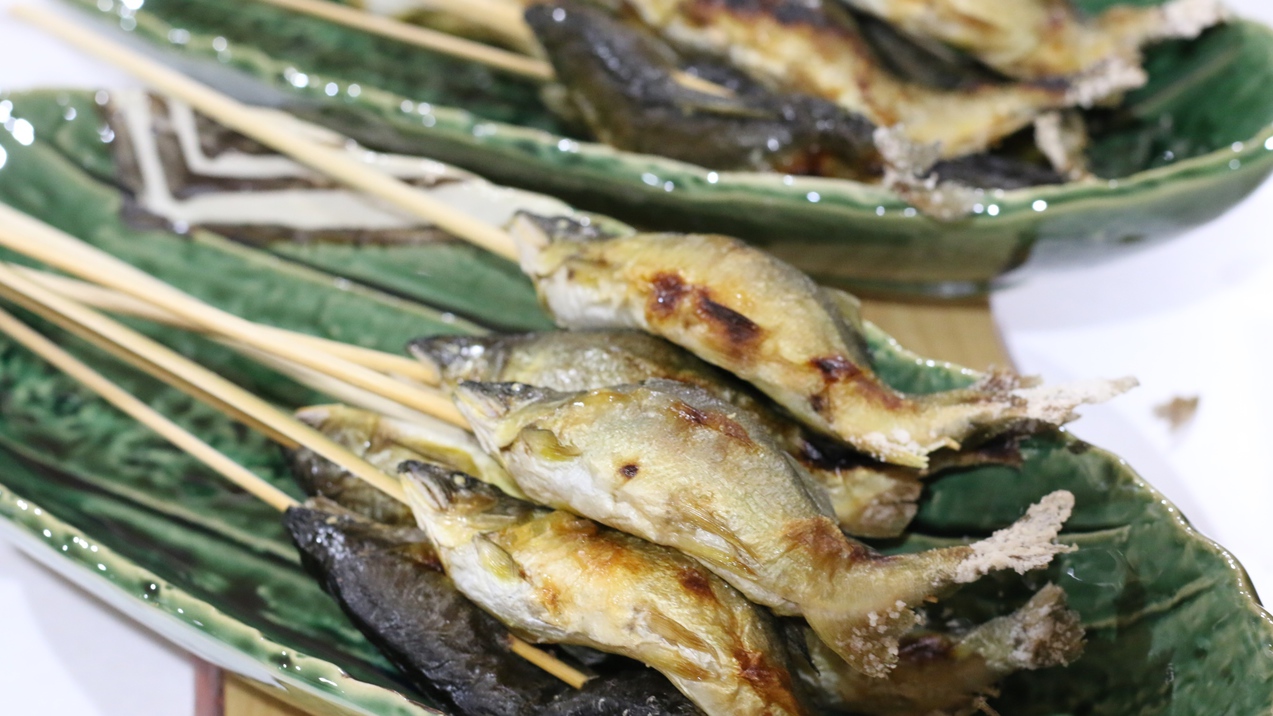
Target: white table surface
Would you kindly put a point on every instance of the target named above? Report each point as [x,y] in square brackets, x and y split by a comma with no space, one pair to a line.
[1192,317]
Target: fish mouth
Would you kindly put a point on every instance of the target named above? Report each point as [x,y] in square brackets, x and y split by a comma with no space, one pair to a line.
[445,491]
[494,401]
[445,353]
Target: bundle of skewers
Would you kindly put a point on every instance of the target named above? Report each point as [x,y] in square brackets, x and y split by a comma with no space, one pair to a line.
[680,478]
[934,99]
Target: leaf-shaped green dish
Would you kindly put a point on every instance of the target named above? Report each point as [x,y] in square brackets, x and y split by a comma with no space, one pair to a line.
[1181,151]
[1174,625]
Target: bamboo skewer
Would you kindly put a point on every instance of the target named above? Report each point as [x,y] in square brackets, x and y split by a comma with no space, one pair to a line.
[333,162]
[238,475]
[144,414]
[94,326]
[112,301]
[508,26]
[44,243]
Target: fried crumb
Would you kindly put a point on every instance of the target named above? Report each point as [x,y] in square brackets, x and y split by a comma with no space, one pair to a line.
[1178,412]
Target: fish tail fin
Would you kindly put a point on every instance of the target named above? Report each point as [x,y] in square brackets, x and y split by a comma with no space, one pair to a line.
[872,602]
[1041,634]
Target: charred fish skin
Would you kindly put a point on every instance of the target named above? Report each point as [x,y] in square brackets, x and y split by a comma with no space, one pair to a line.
[769,324]
[636,692]
[627,86]
[673,465]
[389,581]
[557,578]
[943,673]
[816,47]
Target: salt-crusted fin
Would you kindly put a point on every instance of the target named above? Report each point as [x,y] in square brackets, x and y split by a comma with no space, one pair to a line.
[672,464]
[743,310]
[944,673]
[816,47]
[386,443]
[1037,39]
[557,578]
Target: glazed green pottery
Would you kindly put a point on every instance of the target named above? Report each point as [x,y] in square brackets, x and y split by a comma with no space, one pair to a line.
[1177,153]
[1173,624]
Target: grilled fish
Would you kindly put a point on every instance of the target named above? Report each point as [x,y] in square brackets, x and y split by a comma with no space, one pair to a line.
[557,578]
[870,499]
[812,46]
[633,93]
[388,579]
[386,442]
[743,310]
[671,464]
[1034,39]
[939,673]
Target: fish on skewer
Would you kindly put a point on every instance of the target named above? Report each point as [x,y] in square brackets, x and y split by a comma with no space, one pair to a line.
[674,465]
[816,47]
[557,578]
[870,499]
[628,88]
[940,673]
[764,321]
[1038,39]
[388,579]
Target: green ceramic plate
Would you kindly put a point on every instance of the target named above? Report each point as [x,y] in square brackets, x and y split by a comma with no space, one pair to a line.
[1181,151]
[1174,626]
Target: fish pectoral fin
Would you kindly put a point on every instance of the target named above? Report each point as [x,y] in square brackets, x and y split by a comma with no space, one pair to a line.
[545,444]
[496,560]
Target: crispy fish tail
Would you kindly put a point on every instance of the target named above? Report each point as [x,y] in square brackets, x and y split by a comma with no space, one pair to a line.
[943,673]
[871,607]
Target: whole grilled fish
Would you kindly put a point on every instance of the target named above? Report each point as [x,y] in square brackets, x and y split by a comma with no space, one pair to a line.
[939,673]
[1034,39]
[561,579]
[761,319]
[388,579]
[815,47]
[632,92]
[870,499]
[386,442]
[672,464]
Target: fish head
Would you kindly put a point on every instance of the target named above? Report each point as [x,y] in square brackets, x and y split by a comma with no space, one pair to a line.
[454,508]
[458,358]
[498,412]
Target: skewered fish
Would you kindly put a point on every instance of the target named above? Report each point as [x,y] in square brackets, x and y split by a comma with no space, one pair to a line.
[390,582]
[938,673]
[627,87]
[743,310]
[672,464]
[558,578]
[1033,39]
[870,499]
[388,579]
[815,47]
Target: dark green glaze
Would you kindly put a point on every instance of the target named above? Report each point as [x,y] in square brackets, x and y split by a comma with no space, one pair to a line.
[1203,97]
[1174,625]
